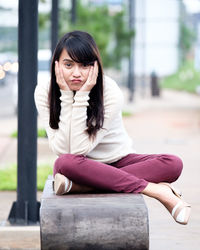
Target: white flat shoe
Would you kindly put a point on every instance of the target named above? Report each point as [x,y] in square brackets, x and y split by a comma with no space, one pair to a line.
[181,211]
[62,184]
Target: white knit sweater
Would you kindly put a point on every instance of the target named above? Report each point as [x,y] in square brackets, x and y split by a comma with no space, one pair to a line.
[110,144]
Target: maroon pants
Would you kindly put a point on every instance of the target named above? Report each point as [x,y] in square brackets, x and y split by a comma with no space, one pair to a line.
[130,174]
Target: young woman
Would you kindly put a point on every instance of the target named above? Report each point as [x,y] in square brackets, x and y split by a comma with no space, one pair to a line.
[81,111]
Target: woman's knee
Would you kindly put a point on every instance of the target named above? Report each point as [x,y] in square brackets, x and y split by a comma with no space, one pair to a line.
[175,166]
[64,163]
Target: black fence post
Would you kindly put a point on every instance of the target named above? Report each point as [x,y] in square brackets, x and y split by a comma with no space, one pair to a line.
[155,88]
[26,209]
[73,11]
[131,77]
[54,24]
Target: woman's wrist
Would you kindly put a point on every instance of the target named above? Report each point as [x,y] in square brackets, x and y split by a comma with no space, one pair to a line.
[82,93]
[81,98]
[66,94]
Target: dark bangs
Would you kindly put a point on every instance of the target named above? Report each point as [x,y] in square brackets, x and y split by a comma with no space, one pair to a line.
[80,51]
[82,48]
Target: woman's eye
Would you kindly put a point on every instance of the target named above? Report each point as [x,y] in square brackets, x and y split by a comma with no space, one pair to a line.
[85,65]
[68,65]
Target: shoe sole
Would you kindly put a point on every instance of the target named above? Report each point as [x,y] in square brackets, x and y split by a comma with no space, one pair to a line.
[184,205]
[59,184]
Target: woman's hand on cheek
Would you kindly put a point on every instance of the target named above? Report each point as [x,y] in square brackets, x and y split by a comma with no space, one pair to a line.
[60,78]
[92,78]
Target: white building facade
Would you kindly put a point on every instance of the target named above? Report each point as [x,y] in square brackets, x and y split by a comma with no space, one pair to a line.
[156,46]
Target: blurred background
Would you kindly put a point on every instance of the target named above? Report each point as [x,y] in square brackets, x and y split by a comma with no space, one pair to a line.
[152,49]
[156,39]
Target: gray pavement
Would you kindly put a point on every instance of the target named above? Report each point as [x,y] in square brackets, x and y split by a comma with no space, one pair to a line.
[170,124]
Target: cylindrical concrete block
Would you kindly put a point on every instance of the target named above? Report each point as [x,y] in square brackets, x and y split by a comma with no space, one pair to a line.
[108,221]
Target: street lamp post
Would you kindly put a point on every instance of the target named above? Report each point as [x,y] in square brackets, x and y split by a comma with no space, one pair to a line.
[131,78]
[73,11]
[26,209]
[54,24]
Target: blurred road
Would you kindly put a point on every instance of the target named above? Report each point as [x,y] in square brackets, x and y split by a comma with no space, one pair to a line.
[170,124]
[7,107]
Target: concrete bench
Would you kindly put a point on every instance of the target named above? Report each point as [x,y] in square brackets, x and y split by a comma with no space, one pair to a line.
[106,221]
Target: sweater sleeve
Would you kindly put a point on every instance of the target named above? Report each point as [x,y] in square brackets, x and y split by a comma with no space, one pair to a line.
[59,139]
[80,142]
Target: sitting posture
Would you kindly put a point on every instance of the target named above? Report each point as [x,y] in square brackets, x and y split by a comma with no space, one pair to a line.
[81,112]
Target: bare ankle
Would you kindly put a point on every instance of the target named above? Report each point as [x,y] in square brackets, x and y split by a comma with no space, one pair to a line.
[77,188]
[152,190]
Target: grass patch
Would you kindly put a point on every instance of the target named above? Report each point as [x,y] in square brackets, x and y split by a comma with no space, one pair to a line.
[42,173]
[186,78]
[8,177]
[41,133]
[126,113]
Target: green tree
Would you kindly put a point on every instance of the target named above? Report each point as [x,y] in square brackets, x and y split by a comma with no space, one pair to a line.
[109,31]
[187,38]
[122,36]
[43,20]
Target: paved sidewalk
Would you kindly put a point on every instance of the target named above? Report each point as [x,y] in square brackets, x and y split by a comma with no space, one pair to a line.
[170,124]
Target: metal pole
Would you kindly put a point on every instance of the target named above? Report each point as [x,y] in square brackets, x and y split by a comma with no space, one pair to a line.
[73,11]
[143,54]
[54,24]
[131,79]
[26,209]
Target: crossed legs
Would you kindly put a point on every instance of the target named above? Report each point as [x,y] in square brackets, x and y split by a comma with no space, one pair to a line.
[135,173]
[131,174]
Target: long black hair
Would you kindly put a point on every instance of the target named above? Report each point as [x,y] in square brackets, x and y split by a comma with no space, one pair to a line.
[82,48]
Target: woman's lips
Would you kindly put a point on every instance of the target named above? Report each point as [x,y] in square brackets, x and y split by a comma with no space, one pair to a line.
[76,81]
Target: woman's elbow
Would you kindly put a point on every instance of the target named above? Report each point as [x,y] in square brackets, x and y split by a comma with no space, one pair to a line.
[58,150]
[79,151]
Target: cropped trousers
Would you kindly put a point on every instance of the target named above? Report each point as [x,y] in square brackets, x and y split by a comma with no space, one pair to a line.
[130,174]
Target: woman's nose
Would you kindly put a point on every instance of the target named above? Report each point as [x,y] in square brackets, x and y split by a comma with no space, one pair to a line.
[76,71]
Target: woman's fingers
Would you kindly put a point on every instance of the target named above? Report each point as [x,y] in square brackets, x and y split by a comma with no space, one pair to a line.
[60,78]
[92,78]
[56,71]
[96,69]
[94,74]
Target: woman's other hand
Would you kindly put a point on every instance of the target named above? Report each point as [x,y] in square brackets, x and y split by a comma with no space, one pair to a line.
[92,78]
[60,78]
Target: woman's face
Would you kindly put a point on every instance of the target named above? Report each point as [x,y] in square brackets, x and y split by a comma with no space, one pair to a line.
[75,74]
